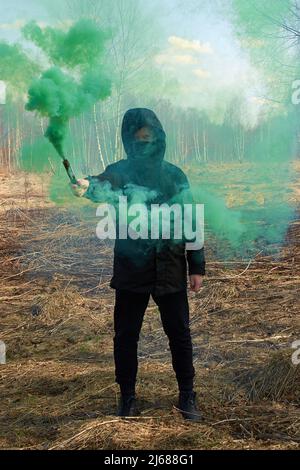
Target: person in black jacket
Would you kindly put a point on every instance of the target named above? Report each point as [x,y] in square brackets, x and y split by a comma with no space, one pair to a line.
[144,267]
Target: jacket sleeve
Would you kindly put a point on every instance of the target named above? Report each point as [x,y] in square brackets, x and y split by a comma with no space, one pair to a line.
[195,258]
[196,261]
[105,187]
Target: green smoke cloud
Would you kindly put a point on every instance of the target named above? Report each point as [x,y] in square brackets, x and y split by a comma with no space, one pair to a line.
[16,68]
[82,46]
[61,96]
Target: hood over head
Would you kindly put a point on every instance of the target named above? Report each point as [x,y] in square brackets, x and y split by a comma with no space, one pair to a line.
[141,154]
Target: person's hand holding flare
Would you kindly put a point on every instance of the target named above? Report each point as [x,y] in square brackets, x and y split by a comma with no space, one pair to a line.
[80,188]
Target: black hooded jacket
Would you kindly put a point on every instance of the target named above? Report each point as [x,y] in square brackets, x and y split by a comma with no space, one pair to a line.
[145,265]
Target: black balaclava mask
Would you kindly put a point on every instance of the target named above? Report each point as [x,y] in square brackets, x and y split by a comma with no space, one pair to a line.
[145,158]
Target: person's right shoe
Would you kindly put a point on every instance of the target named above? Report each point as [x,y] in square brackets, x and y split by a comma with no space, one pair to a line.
[127,406]
[187,406]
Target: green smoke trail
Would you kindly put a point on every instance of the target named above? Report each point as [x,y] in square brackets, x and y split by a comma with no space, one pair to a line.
[59,95]
[260,28]
[246,184]
[247,205]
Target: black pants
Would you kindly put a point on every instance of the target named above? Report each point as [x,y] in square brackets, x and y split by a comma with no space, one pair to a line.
[128,318]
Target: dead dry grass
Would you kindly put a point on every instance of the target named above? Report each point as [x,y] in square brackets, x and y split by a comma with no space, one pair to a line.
[57,388]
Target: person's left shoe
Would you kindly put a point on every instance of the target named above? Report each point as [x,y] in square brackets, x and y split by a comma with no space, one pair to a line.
[187,406]
[127,406]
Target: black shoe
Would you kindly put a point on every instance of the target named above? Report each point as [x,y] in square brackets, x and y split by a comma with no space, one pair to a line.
[187,406]
[127,406]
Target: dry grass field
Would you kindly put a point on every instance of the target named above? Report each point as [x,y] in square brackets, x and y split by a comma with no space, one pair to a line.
[57,388]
